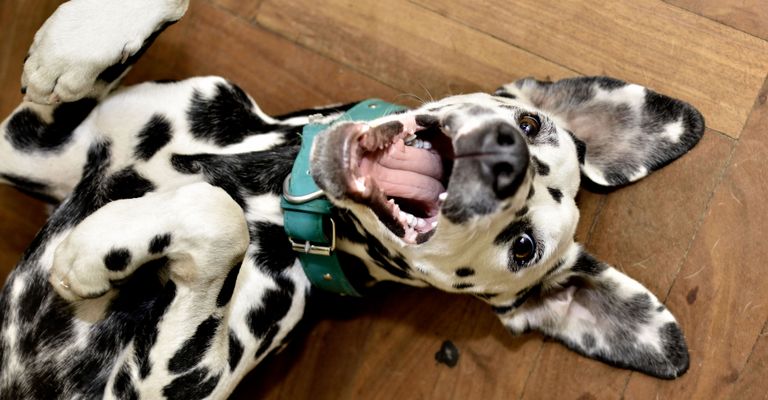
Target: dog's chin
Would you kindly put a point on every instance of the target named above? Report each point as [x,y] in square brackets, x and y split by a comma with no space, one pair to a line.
[398,167]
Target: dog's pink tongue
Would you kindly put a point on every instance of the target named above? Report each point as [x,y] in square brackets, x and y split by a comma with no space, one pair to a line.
[409,173]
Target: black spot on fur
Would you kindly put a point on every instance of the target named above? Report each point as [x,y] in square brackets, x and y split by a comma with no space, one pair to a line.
[448,354]
[266,341]
[159,243]
[504,93]
[502,309]
[427,121]
[581,148]
[588,265]
[123,386]
[235,350]
[28,132]
[240,175]
[192,385]
[673,342]
[274,253]
[111,73]
[556,194]
[117,259]
[660,308]
[226,118]
[531,193]
[193,350]
[539,166]
[146,335]
[521,212]
[588,341]
[127,184]
[275,304]
[525,294]
[155,134]
[228,288]
[464,272]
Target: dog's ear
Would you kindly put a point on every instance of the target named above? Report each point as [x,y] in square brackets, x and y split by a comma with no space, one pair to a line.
[623,131]
[601,313]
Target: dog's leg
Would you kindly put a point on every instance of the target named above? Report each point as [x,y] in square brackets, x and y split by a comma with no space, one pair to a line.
[224,317]
[198,227]
[87,45]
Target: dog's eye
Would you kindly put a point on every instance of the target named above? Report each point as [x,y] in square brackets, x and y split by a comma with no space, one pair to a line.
[529,124]
[523,248]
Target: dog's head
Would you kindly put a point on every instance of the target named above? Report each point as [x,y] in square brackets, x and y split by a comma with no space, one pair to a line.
[475,194]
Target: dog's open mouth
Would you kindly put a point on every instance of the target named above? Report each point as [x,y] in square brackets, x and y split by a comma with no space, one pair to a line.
[400,169]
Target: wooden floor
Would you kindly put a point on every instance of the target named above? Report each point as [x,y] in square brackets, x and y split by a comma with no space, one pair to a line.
[694,233]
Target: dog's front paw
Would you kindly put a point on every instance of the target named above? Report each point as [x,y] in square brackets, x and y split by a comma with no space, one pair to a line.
[87,44]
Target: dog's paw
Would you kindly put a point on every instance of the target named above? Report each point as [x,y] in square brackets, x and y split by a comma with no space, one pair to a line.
[87,44]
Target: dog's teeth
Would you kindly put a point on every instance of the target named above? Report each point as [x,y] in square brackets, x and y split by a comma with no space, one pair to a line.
[443,196]
[360,183]
[434,224]
[402,216]
[410,218]
[426,145]
[410,138]
[420,223]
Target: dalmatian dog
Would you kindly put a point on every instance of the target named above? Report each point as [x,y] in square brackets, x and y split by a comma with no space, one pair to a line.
[165,271]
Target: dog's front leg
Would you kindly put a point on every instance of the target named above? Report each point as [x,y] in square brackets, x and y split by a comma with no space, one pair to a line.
[87,45]
[198,228]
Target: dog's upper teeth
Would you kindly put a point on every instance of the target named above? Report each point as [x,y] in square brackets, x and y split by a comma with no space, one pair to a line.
[410,218]
[443,196]
[410,138]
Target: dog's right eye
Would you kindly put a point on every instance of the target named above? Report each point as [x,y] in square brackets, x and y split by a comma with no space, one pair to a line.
[523,249]
[529,124]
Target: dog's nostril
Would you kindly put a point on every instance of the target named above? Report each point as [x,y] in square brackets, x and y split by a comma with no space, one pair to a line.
[505,135]
[505,179]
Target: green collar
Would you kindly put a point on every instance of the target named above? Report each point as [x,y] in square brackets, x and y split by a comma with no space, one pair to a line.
[307,213]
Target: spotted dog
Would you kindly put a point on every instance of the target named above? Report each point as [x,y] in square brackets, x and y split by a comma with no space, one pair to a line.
[164,269]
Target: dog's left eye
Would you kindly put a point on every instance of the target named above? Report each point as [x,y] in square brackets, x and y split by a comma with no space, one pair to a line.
[529,124]
[523,249]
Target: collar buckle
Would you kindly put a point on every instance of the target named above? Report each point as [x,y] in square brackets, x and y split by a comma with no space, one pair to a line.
[308,247]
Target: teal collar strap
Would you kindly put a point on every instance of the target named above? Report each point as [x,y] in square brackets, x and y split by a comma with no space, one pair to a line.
[307,213]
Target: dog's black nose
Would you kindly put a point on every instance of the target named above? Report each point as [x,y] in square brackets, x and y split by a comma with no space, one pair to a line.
[505,158]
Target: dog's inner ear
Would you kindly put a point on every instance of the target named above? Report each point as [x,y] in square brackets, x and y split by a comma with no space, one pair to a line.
[601,313]
[627,130]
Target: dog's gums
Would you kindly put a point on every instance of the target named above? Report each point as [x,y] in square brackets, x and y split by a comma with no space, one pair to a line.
[400,169]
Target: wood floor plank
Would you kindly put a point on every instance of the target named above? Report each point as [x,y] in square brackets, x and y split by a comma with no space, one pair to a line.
[716,68]
[281,76]
[387,350]
[721,294]
[404,45]
[751,383]
[750,16]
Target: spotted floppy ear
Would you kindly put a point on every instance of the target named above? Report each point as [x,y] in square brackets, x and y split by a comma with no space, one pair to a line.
[623,131]
[603,314]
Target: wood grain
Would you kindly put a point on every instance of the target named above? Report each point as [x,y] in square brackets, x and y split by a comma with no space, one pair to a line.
[716,68]
[405,46]
[750,16]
